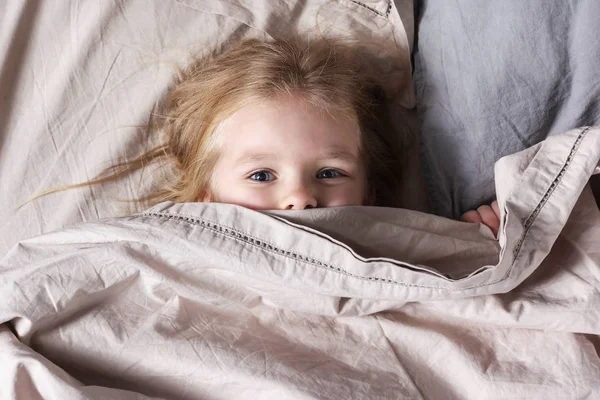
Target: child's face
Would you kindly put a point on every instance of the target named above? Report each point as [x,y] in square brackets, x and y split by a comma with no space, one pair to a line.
[285,154]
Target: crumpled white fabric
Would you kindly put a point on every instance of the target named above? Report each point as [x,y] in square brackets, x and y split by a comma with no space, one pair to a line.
[217,301]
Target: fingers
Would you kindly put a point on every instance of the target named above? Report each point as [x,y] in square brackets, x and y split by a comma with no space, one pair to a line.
[489,217]
[471,216]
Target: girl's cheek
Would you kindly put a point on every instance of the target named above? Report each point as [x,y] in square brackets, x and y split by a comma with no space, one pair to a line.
[252,198]
[344,196]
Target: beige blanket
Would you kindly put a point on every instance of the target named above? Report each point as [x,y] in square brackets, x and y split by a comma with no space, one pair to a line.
[214,301]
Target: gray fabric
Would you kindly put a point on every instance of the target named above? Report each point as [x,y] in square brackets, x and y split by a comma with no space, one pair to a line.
[495,77]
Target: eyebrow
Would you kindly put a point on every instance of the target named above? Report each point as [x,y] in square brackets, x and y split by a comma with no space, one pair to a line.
[341,155]
[249,158]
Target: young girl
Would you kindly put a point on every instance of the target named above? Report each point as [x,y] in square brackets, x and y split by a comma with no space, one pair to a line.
[285,124]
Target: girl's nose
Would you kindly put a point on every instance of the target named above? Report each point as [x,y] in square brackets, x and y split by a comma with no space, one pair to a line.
[300,199]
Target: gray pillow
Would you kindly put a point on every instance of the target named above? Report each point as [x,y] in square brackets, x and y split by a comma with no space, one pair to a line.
[495,77]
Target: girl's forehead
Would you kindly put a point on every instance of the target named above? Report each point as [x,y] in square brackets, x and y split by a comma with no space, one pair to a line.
[288,124]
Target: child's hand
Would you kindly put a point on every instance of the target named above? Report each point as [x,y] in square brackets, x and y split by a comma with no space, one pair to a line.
[488,215]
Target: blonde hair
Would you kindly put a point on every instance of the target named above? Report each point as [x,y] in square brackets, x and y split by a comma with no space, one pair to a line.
[325,73]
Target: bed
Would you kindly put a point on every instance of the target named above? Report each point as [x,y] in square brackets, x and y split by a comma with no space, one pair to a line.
[101,299]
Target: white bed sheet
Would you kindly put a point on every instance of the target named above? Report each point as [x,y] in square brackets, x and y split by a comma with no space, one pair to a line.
[215,301]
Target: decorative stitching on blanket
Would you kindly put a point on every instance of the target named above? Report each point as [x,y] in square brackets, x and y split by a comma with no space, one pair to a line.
[529,221]
[387,11]
[248,239]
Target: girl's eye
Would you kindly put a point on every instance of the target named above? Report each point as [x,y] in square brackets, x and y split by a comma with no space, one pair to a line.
[329,174]
[262,176]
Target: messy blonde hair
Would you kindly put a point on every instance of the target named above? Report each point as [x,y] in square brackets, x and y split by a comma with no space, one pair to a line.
[325,73]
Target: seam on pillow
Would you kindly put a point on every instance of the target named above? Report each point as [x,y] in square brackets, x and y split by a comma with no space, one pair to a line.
[387,11]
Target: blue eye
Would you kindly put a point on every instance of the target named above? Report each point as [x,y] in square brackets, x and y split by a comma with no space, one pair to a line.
[262,176]
[329,174]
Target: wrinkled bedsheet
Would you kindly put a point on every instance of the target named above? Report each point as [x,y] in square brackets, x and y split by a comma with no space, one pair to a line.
[78,80]
[215,301]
